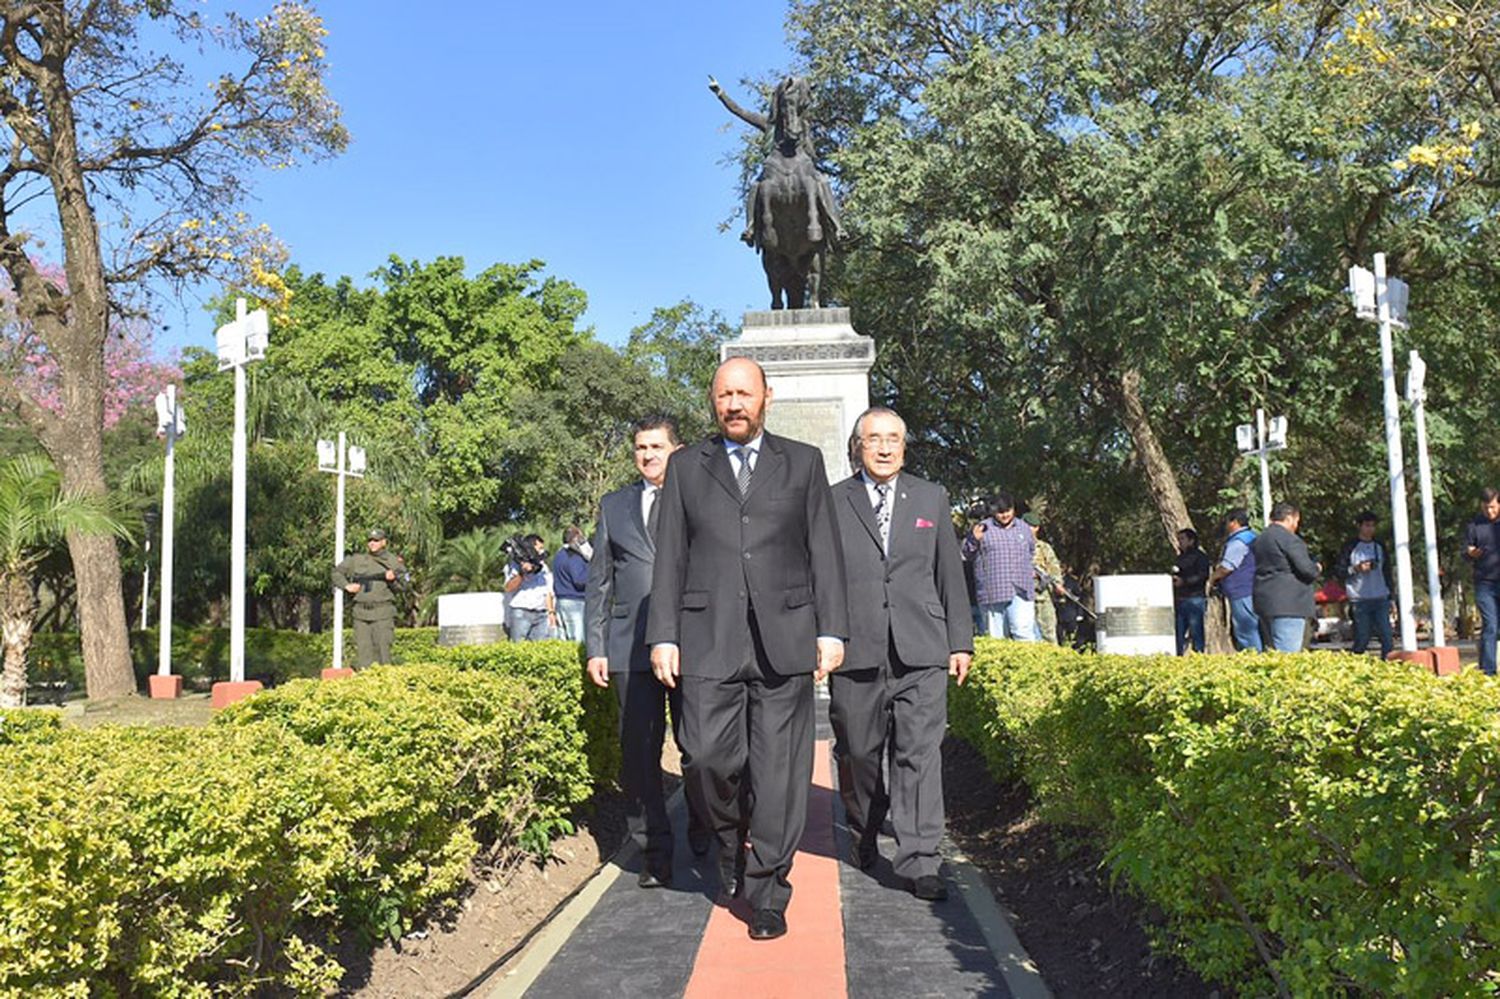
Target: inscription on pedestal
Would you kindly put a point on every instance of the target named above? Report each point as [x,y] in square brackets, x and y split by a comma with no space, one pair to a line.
[778,353]
[819,422]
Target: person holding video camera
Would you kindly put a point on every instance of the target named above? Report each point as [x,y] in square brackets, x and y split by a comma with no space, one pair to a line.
[371,578]
[533,610]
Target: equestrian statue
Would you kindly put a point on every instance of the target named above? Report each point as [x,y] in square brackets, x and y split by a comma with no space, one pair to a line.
[790,214]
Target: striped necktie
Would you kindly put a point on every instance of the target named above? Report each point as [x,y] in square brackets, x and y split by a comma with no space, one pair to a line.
[742,477]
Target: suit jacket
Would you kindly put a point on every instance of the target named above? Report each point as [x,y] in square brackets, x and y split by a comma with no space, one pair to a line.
[719,555]
[916,595]
[618,595]
[1284,574]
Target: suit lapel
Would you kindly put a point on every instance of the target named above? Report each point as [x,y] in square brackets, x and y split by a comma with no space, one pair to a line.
[635,495]
[715,460]
[859,498]
[766,464]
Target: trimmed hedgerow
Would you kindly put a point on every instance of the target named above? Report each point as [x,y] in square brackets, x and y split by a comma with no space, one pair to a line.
[28,725]
[1312,824]
[231,859]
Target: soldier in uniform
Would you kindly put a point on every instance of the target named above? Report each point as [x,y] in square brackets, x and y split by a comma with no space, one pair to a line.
[1049,576]
[371,577]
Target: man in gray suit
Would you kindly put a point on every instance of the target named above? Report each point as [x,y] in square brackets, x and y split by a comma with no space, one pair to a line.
[908,619]
[615,606]
[748,605]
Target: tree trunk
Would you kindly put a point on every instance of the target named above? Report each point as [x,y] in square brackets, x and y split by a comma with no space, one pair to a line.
[1161,483]
[16,608]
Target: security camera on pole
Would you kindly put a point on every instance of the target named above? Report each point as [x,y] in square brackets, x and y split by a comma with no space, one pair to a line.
[1382,300]
[1445,656]
[170,425]
[1261,440]
[338,460]
[239,343]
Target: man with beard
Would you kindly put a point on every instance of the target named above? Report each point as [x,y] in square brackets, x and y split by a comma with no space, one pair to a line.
[748,608]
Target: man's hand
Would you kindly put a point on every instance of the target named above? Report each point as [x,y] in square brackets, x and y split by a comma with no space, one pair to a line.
[1474,551]
[979,530]
[352,587]
[714,85]
[830,657]
[599,670]
[666,663]
[958,666]
[390,575]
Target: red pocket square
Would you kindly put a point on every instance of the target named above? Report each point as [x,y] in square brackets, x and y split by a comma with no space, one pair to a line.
[924,522]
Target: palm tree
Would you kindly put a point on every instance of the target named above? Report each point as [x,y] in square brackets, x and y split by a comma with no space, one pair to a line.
[35,515]
[467,563]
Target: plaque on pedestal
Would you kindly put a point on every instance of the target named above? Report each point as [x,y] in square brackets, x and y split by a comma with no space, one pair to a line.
[819,371]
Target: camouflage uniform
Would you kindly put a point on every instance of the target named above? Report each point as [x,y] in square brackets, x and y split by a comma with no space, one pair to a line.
[375,603]
[1045,560]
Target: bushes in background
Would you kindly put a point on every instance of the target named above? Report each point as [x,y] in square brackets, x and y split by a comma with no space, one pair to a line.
[1315,824]
[233,858]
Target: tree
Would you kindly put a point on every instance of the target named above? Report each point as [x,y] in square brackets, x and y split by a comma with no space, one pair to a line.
[141,169]
[1090,240]
[35,513]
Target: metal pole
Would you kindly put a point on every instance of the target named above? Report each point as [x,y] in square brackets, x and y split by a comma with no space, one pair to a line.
[168,505]
[1265,468]
[338,549]
[146,580]
[1429,518]
[1395,463]
[237,520]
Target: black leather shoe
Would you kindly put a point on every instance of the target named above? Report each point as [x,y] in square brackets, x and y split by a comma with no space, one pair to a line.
[865,855]
[649,878]
[929,888]
[767,924]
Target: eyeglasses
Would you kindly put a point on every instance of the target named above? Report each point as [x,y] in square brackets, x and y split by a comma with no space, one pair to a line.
[888,440]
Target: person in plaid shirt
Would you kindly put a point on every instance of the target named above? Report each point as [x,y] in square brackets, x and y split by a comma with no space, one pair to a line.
[1001,549]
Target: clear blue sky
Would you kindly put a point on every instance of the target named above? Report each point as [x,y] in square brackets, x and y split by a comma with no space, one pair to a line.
[581,133]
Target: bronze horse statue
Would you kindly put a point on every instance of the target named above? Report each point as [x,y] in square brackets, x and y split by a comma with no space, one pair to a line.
[790,215]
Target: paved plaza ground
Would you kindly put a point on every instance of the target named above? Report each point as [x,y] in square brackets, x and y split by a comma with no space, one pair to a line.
[851,932]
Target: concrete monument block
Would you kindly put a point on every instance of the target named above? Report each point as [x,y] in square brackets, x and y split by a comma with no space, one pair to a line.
[471,618]
[819,370]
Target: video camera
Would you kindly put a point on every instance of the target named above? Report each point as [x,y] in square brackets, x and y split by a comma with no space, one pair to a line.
[524,555]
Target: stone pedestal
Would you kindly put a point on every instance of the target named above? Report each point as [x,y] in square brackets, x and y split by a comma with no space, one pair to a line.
[164,687]
[342,673]
[819,370]
[226,692]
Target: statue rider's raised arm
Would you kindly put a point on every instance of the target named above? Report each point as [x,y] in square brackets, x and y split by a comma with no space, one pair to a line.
[760,121]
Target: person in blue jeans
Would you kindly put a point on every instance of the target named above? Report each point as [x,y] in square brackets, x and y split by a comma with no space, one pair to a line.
[1285,573]
[1482,548]
[1235,577]
[570,574]
[1367,578]
[1189,577]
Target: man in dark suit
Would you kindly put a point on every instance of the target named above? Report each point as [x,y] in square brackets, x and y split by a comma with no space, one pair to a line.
[1284,576]
[615,606]
[748,607]
[908,619]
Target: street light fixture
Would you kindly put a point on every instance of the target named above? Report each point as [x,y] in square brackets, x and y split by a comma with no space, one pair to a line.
[344,462]
[1382,300]
[1416,397]
[239,343]
[1258,439]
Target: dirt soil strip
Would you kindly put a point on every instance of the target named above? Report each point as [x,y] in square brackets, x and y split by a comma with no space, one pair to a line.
[1085,937]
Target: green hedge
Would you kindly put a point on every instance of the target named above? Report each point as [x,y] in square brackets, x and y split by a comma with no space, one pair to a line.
[201,655]
[28,725]
[1321,823]
[232,859]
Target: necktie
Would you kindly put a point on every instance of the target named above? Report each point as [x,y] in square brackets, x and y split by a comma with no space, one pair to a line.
[883,514]
[742,478]
[652,496]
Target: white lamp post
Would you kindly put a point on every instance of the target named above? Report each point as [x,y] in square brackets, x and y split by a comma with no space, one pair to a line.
[1383,300]
[334,458]
[1416,396]
[170,425]
[239,343]
[1260,439]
